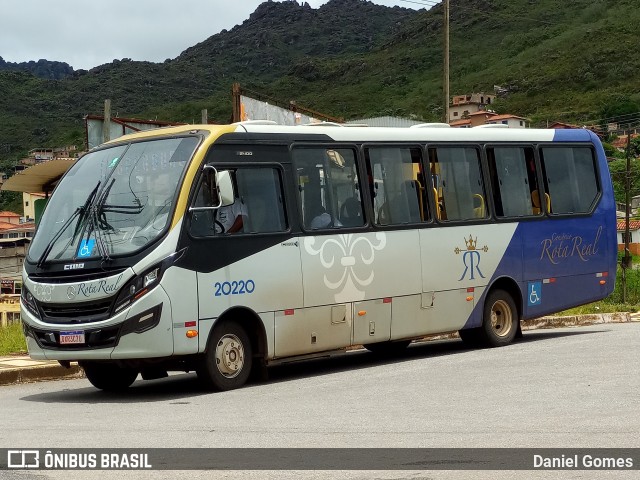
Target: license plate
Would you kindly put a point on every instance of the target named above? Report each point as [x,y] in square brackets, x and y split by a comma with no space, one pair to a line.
[67,338]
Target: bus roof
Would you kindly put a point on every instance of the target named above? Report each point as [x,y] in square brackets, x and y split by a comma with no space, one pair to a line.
[379,134]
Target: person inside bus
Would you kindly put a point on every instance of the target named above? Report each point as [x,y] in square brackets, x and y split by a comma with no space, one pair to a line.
[231,218]
[323,219]
[351,212]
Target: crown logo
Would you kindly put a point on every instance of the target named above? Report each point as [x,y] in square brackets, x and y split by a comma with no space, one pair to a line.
[471,243]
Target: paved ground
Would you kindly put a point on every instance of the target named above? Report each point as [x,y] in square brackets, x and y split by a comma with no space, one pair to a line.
[21,368]
[565,387]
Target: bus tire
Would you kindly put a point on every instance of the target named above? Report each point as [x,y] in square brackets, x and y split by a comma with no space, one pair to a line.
[500,319]
[387,348]
[109,376]
[227,362]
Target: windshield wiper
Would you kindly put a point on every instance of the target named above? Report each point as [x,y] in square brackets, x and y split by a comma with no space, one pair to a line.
[78,211]
[94,220]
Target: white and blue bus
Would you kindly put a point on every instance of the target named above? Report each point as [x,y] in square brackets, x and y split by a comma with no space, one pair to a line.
[219,249]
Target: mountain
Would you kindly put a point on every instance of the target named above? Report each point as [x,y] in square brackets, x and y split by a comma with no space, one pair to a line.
[41,68]
[574,60]
[39,111]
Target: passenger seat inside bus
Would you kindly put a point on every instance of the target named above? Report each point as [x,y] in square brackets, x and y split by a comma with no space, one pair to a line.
[479,211]
[535,202]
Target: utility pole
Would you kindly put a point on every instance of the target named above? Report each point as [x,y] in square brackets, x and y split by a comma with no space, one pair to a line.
[626,261]
[106,122]
[446,61]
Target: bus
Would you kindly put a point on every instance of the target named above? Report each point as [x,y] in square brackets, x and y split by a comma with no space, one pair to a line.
[222,250]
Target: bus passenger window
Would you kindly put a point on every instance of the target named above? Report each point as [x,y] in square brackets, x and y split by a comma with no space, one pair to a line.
[328,187]
[457,182]
[399,185]
[514,180]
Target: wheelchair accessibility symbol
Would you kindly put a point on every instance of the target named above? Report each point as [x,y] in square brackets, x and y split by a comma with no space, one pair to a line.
[534,293]
[86,247]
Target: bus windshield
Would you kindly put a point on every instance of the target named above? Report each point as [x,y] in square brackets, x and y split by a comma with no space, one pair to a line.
[112,201]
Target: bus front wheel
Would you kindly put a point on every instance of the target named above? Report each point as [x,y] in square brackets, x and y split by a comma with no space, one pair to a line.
[108,376]
[500,320]
[227,361]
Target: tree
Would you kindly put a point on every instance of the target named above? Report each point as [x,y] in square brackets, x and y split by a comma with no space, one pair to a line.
[618,170]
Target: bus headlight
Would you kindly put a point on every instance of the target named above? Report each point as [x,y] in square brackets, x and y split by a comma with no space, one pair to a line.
[138,287]
[29,302]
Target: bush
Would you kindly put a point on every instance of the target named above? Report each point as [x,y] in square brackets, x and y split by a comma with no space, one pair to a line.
[12,339]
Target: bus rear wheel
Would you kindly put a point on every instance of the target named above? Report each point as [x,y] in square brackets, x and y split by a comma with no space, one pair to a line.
[500,320]
[109,376]
[227,362]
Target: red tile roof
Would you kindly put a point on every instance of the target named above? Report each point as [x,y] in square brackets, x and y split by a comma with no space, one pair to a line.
[6,213]
[504,117]
[7,225]
[621,141]
[561,125]
[633,225]
[484,112]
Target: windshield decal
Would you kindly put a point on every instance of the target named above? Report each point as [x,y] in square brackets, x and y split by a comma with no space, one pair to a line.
[86,247]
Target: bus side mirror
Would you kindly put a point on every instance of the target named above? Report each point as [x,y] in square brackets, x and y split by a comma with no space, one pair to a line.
[220,185]
[225,188]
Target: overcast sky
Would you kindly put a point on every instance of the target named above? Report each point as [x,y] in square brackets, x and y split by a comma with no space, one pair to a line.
[86,33]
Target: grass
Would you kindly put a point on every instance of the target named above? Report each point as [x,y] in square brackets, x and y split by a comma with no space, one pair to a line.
[600,307]
[12,340]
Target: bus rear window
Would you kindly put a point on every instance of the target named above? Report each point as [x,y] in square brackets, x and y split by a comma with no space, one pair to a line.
[570,178]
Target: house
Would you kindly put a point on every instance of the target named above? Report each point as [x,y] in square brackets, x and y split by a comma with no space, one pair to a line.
[462,106]
[512,121]
[562,126]
[635,204]
[30,203]
[9,308]
[9,217]
[14,244]
[463,123]
[620,142]
[41,155]
[482,117]
[634,236]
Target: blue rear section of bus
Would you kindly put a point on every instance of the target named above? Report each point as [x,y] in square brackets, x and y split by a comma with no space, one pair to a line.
[563,262]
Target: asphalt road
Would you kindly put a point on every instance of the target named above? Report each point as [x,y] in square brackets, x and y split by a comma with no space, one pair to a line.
[564,388]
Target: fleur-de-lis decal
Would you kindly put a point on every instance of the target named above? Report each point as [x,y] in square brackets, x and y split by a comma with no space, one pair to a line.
[348,260]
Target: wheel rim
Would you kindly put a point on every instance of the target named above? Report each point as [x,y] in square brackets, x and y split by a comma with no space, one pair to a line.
[501,318]
[229,356]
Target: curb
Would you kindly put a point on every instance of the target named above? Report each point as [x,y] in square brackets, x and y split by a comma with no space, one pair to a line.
[557,322]
[578,320]
[38,373]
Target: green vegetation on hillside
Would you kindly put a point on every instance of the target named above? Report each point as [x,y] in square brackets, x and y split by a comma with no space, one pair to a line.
[561,61]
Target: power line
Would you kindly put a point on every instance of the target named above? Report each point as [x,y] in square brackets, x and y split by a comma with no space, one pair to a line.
[635,116]
[433,3]
[425,3]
